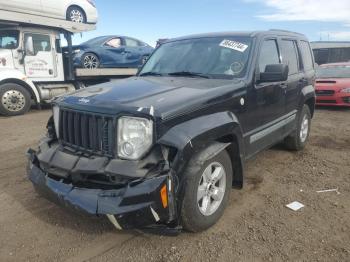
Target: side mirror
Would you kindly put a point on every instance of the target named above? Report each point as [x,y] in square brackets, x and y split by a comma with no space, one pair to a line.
[275,73]
[29,46]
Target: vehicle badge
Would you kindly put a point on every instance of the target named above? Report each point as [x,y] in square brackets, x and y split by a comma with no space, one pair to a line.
[84,100]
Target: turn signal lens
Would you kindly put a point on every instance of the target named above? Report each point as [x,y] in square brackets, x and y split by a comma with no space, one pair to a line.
[164,196]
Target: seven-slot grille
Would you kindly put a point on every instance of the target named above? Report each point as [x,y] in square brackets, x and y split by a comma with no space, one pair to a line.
[87,132]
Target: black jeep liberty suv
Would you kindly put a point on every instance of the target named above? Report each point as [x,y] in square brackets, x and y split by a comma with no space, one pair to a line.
[164,148]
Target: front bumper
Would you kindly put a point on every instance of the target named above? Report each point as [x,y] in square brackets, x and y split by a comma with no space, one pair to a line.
[338,99]
[136,205]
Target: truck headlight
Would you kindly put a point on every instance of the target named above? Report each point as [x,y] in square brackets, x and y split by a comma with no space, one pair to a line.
[135,137]
[345,90]
[56,118]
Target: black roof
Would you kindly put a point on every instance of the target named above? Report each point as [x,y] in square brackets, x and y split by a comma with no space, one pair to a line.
[271,32]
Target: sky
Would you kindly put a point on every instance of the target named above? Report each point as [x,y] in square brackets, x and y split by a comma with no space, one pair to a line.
[154,19]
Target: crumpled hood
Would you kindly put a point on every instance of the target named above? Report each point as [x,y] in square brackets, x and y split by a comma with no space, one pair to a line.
[159,96]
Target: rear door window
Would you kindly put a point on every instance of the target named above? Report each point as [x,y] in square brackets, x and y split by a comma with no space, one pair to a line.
[290,55]
[268,54]
[131,42]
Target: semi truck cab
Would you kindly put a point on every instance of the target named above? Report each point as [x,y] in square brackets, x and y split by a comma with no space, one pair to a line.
[32,51]
[33,68]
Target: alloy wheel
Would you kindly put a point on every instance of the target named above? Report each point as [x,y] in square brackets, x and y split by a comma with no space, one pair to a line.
[211,189]
[91,62]
[76,16]
[304,129]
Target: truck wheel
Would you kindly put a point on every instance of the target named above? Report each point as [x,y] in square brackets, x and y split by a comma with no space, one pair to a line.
[298,139]
[90,61]
[76,14]
[206,192]
[14,100]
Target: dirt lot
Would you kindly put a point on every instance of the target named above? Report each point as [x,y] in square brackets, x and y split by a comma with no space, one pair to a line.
[256,225]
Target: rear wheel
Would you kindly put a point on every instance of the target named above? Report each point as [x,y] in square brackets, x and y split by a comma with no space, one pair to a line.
[206,193]
[14,100]
[298,139]
[76,14]
[90,61]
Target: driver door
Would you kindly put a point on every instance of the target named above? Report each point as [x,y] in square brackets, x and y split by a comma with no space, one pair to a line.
[39,58]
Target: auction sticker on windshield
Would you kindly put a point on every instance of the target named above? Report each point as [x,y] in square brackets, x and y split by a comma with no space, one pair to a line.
[234,45]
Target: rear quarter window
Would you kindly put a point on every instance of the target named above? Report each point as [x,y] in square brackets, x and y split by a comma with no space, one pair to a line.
[306,55]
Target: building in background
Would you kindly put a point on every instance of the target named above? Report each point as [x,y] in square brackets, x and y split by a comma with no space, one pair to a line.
[331,51]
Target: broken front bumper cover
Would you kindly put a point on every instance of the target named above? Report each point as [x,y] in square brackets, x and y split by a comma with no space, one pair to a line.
[136,205]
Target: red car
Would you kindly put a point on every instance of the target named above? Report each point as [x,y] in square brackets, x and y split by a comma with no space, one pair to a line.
[333,85]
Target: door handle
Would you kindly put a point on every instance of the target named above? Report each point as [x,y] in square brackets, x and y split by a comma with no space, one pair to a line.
[283,85]
[303,81]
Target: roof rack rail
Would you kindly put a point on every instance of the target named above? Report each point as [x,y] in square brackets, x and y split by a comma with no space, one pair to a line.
[286,31]
[9,18]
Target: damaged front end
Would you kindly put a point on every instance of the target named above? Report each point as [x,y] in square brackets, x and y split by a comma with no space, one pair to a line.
[132,194]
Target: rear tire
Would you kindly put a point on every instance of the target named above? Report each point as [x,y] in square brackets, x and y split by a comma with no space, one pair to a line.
[298,139]
[204,203]
[76,14]
[14,100]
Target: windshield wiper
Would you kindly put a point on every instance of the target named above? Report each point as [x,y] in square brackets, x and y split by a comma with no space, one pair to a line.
[151,74]
[187,73]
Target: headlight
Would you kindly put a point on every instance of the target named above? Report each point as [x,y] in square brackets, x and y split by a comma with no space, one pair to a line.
[76,51]
[345,90]
[56,118]
[135,137]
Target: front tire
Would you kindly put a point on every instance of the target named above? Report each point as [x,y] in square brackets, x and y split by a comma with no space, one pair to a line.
[14,100]
[206,192]
[76,14]
[90,61]
[298,139]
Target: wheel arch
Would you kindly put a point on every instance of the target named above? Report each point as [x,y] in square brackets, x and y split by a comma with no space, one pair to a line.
[220,131]
[34,94]
[77,6]
[310,102]
[308,98]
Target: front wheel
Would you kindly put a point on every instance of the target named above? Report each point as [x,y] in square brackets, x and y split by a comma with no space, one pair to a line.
[90,61]
[206,192]
[14,100]
[76,14]
[298,139]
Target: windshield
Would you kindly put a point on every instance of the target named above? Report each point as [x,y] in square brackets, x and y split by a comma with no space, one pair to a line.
[8,39]
[211,57]
[333,71]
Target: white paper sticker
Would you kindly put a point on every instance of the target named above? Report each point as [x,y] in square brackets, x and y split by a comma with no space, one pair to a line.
[295,205]
[234,45]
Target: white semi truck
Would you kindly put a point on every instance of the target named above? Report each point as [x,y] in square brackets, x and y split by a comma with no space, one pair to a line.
[33,69]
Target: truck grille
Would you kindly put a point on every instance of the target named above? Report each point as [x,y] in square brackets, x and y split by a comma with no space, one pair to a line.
[91,133]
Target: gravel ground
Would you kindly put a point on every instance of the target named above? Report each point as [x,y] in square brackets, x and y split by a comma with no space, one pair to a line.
[255,227]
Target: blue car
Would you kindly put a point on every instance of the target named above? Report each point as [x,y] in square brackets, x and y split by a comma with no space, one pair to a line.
[111,51]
